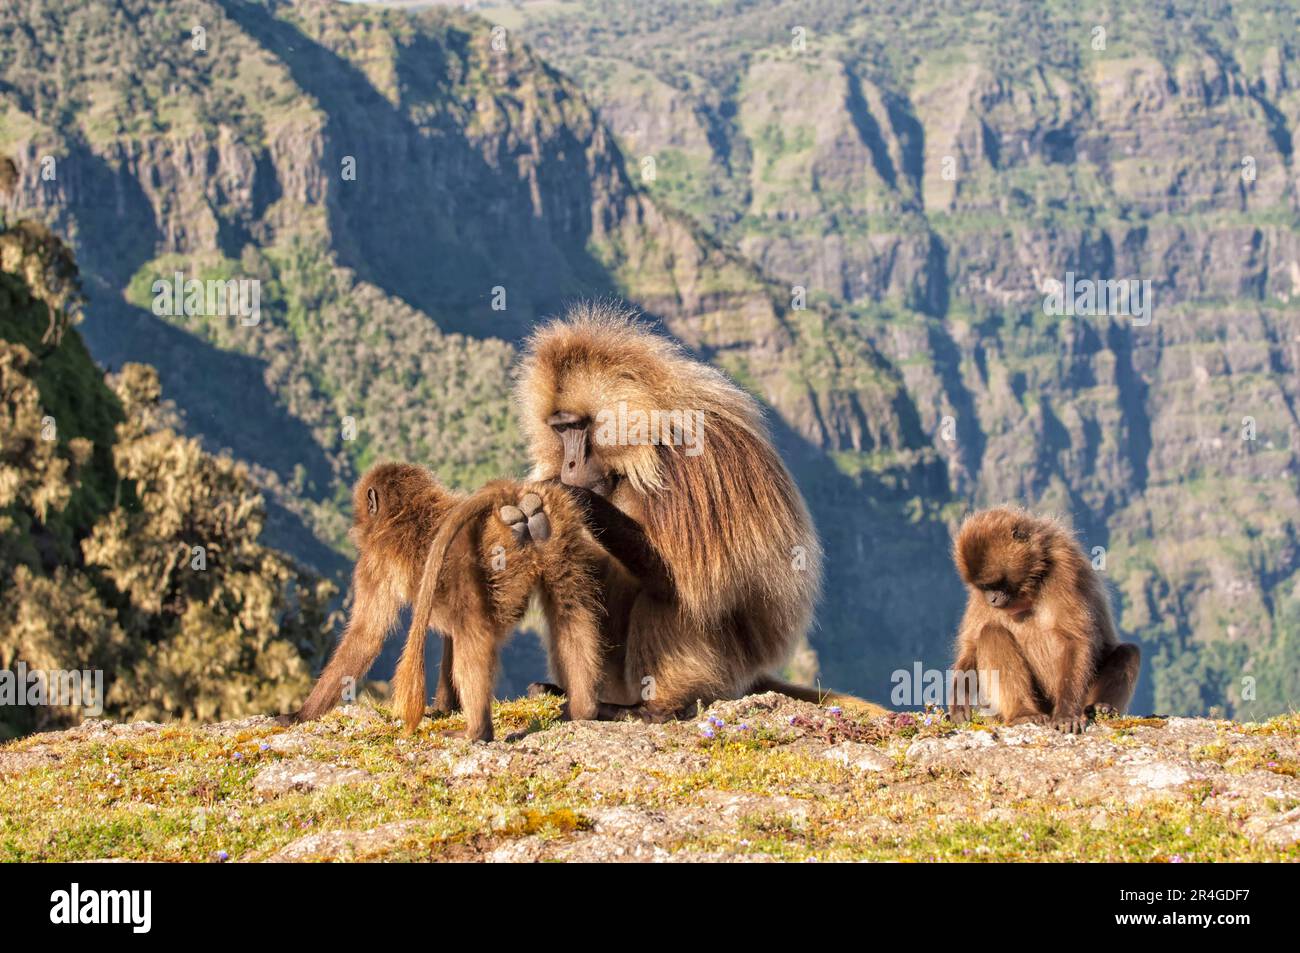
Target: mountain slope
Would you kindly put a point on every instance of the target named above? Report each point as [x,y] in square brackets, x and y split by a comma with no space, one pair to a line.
[929,167]
[480,173]
[414,191]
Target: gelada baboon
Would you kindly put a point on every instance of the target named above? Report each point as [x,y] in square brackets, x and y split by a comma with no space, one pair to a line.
[713,564]
[494,546]
[492,552]
[1037,642]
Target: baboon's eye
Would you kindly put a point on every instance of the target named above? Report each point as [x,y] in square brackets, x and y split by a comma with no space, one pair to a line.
[1020,534]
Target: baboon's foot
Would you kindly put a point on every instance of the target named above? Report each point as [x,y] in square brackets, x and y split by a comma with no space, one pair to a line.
[648,714]
[1102,710]
[1033,718]
[586,712]
[542,689]
[1070,724]
[527,520]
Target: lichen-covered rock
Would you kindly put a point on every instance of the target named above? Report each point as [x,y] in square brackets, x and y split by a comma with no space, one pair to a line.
[761,778]
[300,774]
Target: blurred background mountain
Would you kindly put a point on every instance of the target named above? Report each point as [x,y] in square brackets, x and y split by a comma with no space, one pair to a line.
[914,173]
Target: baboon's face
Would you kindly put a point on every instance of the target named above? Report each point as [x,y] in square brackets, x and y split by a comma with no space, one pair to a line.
[585,464]
[589,458]
[1000,555]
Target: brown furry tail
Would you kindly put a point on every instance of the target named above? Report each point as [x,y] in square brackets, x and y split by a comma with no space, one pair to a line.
[804,693]
[410,688]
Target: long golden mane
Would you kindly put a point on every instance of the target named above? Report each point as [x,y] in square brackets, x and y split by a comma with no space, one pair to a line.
[729,523]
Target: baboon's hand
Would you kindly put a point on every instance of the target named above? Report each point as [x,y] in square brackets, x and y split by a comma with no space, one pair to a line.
[1070,722]
[960,709]
[539,526]
[527,520]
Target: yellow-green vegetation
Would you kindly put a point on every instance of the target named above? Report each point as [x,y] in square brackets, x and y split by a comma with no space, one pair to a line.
[758,778]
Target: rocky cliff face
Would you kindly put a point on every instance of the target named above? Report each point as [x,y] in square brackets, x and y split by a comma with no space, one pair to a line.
[391,178]
[929,172]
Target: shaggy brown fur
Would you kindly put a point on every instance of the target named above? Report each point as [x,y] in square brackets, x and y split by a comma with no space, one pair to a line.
[715,563]
[407,527]
[1037,642]
[396,511]
[481,570]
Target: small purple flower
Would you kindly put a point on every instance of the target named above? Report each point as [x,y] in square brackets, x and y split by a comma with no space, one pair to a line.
[263,746]
[835,710]
[793,718]
[1025,836]
[717,722]
[222,856]
[1188,830]
[706,729]
[1176,859]
[239,756]
[744,727]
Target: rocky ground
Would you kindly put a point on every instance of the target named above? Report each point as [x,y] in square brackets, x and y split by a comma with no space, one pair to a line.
[763,778]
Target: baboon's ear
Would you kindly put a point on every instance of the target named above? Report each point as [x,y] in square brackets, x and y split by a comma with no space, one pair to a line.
[372,500]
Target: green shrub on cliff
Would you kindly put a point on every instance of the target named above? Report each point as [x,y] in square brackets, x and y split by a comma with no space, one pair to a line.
[125,547]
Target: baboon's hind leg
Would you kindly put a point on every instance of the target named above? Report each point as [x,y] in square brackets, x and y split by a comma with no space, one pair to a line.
[473,673]
[445,699]
[575,641]
[1112,688]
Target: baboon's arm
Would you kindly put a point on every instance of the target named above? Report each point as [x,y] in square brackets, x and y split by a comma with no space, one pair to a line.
[625,540]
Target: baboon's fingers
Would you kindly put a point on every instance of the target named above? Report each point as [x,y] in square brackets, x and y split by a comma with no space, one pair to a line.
[514,517]
[530,504]
[539,527]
